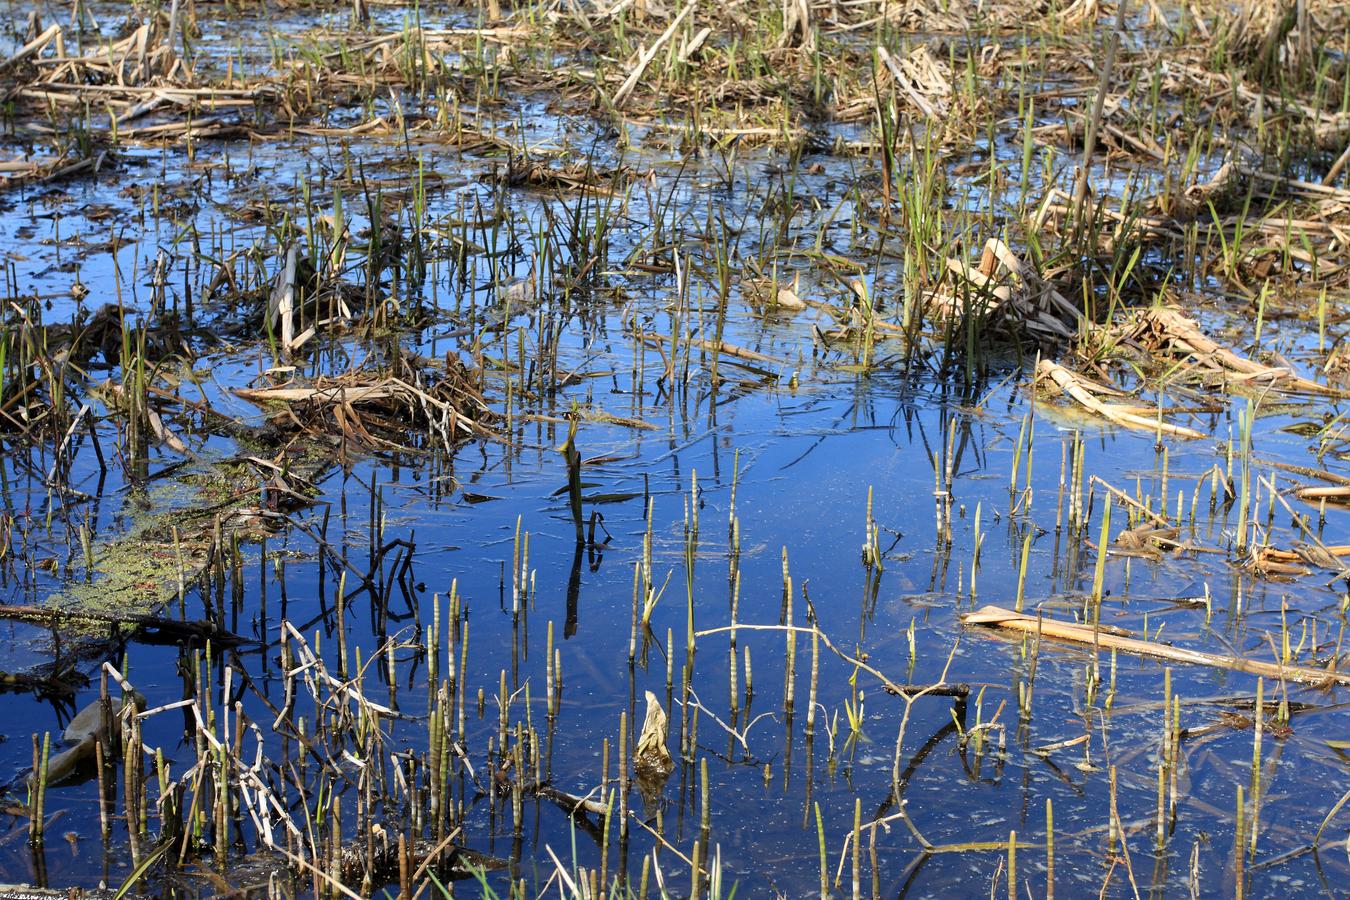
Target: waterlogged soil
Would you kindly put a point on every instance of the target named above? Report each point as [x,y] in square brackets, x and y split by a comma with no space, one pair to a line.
[762,457]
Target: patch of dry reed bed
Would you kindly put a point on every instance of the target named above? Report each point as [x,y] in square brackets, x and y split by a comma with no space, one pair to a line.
[1165,342]
[128,73]
[754,72]
[1162,349]
[143,57]
[1007,292]
[48,367]
[1165,332]
[406,405]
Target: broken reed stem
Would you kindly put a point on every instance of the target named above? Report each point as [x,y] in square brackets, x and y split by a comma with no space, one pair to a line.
[857,848]
[633,630]
[1098,577]
[549,689]
[1049,848]
[1086,635]
[790,675]
[733,661]
[815,679]
[623,779]
[100,764]
[37,815]
[705,806]
[1258,726]
[1160,835]
[1239,845]
[1022,571]
[824,861]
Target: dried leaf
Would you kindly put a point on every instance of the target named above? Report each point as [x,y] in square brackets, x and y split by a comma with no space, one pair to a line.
[651,759]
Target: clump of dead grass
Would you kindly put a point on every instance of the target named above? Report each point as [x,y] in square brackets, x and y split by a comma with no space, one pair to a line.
[406,406]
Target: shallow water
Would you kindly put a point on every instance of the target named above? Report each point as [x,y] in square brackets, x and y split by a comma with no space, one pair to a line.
[800,440]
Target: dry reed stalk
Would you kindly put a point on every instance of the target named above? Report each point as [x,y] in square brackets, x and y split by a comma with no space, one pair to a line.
[1166,329]
[1084,390]
[1086,636]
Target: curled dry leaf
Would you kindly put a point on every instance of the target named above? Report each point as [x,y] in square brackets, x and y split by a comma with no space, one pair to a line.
[651,759]
[787,296]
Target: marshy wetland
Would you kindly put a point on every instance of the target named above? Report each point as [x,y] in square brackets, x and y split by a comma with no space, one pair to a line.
[667,448]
